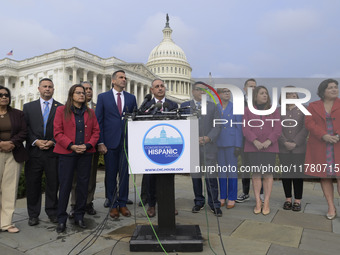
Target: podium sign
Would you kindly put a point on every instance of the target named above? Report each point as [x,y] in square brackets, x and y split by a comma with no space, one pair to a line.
[163,146]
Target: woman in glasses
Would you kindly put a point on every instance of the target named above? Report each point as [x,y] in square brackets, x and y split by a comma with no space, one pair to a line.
[76,132]
[229,145]
[13,132]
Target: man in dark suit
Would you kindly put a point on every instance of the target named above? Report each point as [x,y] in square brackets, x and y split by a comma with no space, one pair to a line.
[93,177]
[111,108]
[208,151]
[250,83]
[158,91]
[39,116]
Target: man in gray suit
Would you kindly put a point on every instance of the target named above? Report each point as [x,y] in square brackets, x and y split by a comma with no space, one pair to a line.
[39,116]
[208,151]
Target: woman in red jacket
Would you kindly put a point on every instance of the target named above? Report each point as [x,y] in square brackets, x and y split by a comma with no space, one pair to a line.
[76,132]
[323,146]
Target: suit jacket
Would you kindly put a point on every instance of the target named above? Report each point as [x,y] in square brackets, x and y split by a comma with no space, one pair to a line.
[35,124]
[317,127]
[18,134]
[261,133]
[172,104]
[230,136]
[111,124]
[297,134]
[206,127]
[65,131]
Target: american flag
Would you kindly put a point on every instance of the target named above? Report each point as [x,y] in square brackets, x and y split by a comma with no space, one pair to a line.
[10,53]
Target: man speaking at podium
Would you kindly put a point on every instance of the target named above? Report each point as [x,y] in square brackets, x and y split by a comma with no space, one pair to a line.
[163,105]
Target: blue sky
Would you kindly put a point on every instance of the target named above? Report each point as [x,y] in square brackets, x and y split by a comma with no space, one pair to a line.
[240,38]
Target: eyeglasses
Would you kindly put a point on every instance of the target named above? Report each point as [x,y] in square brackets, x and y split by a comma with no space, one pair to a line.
[4,95]
[225,92]
[79,92]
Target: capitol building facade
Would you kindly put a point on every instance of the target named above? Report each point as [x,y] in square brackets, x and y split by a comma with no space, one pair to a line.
[70,66]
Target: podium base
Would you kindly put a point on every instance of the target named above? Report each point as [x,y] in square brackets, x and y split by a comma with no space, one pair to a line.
[188,238]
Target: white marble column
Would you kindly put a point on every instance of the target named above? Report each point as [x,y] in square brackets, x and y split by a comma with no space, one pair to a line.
[135,92]
[85,75]
[74,75]
[128,88]
[6,81]
[141,93]
[104,84]
[95,85]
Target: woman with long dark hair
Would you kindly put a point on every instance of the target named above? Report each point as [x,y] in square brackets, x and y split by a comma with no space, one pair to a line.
[262,144]
[76,132]
[13,132]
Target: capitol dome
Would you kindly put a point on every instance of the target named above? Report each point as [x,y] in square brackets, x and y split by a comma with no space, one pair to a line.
[168,61]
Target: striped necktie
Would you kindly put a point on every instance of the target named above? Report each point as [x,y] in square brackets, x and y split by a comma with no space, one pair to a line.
[45,115]
[119,104]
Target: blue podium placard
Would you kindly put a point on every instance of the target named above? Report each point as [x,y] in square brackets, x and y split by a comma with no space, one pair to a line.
[163,146]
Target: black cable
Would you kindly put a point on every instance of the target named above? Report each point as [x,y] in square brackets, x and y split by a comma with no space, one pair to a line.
[114,246]
[217,218]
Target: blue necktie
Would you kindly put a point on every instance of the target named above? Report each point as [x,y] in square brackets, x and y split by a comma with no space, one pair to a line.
[45,115]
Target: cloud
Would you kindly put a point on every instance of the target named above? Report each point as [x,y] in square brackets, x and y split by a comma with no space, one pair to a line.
[288,23]
[27,38]
[150,35]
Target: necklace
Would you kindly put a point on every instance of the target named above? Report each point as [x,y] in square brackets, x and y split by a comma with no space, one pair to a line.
[3,115]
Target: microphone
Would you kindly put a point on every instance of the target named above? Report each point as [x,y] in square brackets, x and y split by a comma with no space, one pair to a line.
[157,107]
[150,108]
[147,98]
[166,106]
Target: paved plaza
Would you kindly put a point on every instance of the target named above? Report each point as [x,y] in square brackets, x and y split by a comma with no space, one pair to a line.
[242,232]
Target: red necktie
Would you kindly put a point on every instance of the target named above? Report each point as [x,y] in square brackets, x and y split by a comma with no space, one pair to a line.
[119,103]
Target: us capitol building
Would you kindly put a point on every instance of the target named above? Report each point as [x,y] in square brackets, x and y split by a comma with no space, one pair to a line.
[70,66]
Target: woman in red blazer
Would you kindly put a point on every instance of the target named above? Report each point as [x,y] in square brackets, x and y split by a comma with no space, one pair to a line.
[323,146]
[76,132]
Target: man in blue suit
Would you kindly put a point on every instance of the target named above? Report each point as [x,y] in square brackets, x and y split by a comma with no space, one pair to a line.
[111,108]
[208,151]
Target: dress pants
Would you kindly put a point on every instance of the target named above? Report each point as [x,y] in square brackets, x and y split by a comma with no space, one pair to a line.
[34,169]
[9,179]
[68,164]
[116,163]
[211,187]
[290,159]
[227,178]
[92,182]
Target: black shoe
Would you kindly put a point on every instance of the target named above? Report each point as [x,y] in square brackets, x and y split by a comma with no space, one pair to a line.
[80,223]
[61,227]
[107,203]
[90,210]
[217,212]
[53,219]
[33,221]
[129,202]
[197,208]
[144,203]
